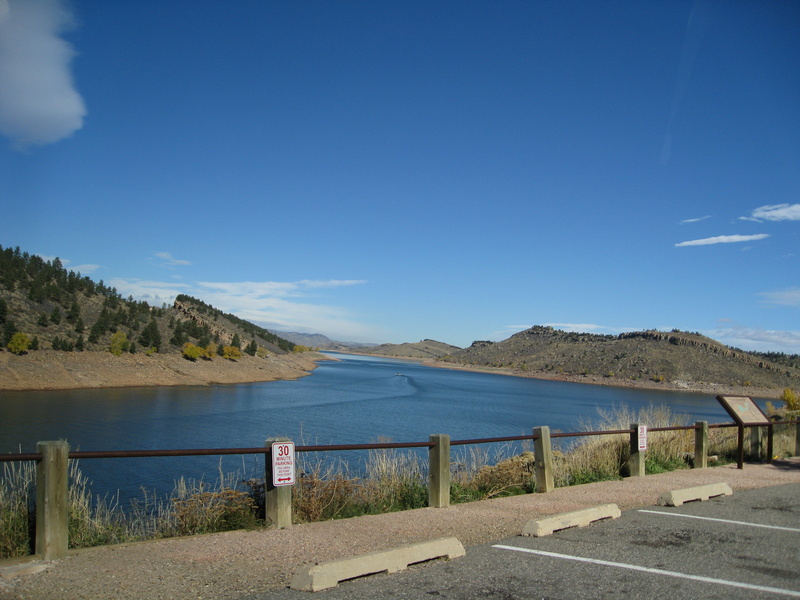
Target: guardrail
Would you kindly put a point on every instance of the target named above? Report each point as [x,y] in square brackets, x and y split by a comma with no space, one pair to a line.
[52,468]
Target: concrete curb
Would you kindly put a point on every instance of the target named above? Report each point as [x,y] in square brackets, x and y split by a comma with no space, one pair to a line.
[321,576]
[578,518]
[23,568]
[701,492]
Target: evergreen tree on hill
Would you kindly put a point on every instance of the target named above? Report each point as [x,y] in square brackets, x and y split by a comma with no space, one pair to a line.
[151,337]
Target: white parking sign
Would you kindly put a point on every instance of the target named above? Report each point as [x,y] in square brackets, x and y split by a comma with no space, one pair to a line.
[642,438]
[282,463]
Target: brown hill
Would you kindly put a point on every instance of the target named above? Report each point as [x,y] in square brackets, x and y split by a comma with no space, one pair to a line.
[67,327]
[421,349]
[675,359]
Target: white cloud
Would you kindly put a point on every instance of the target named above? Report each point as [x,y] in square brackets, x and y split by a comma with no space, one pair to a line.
[275,305]
[757,340]
[154,293]
[38,100]
[272,304]
[775,212]
[789,297]
[278,289]
[724,239]
[696,220]
[84,269]
[170,261]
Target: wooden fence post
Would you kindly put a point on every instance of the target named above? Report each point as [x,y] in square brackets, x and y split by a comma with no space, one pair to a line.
[636,462]
[797,436]
[439,471]
[277,499]
[52,500]
[543,456]
[701,445]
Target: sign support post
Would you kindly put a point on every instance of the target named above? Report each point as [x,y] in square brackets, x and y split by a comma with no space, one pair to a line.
[638,449]
[280,476]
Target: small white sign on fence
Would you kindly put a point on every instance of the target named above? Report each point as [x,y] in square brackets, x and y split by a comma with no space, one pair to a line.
[642,438]
[282,463]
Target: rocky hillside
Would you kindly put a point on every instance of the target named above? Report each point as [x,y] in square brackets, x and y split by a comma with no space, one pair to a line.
[422,349]
[57,309]
[681,358]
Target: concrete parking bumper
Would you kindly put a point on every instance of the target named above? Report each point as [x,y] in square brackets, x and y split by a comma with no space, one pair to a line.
[578,518]
[321,576]
[701,492]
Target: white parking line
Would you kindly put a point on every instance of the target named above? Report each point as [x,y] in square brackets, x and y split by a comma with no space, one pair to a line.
[746,586]
[669,514]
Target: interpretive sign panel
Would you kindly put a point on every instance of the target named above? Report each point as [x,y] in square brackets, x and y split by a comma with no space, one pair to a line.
[743,410]
[282,463]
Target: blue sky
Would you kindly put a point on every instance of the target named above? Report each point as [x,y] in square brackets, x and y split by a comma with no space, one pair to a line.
[393,171]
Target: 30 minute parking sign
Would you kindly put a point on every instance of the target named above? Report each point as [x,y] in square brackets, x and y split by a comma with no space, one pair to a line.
[282,463]
[642,438]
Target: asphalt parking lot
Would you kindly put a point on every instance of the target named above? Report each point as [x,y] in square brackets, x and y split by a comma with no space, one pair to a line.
[742,546]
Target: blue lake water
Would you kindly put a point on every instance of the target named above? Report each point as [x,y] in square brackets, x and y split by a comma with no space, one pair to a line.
[354,400]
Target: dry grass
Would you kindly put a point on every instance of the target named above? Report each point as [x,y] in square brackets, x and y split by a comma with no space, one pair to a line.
[17,493]
[390,480]
[603,457]
[478,473]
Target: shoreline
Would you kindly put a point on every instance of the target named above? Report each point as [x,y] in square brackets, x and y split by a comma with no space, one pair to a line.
[643,384]
[666,386]
[51,370]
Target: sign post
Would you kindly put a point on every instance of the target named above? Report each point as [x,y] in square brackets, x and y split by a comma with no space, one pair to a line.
[638,449]
[278,482]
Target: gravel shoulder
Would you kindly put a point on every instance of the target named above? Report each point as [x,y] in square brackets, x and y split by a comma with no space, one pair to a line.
[235,564]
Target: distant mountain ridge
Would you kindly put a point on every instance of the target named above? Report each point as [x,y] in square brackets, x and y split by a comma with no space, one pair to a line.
[317,340]
[676,357]
[422,349]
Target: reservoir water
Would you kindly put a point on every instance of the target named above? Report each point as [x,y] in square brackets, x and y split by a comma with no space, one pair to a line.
[354,400]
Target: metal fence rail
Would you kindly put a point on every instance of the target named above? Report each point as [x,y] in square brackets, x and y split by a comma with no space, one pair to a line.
[52,466]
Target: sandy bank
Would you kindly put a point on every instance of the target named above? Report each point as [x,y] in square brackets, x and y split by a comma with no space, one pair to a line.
[50,370]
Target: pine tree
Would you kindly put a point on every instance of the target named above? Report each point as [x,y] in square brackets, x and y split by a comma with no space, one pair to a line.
[9,329]
[151,337]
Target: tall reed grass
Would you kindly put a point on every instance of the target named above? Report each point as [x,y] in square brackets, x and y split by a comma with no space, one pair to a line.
[604,457]
[195,506]
[17,489]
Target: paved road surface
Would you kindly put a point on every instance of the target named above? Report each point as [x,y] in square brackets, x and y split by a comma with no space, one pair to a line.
[737,547]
